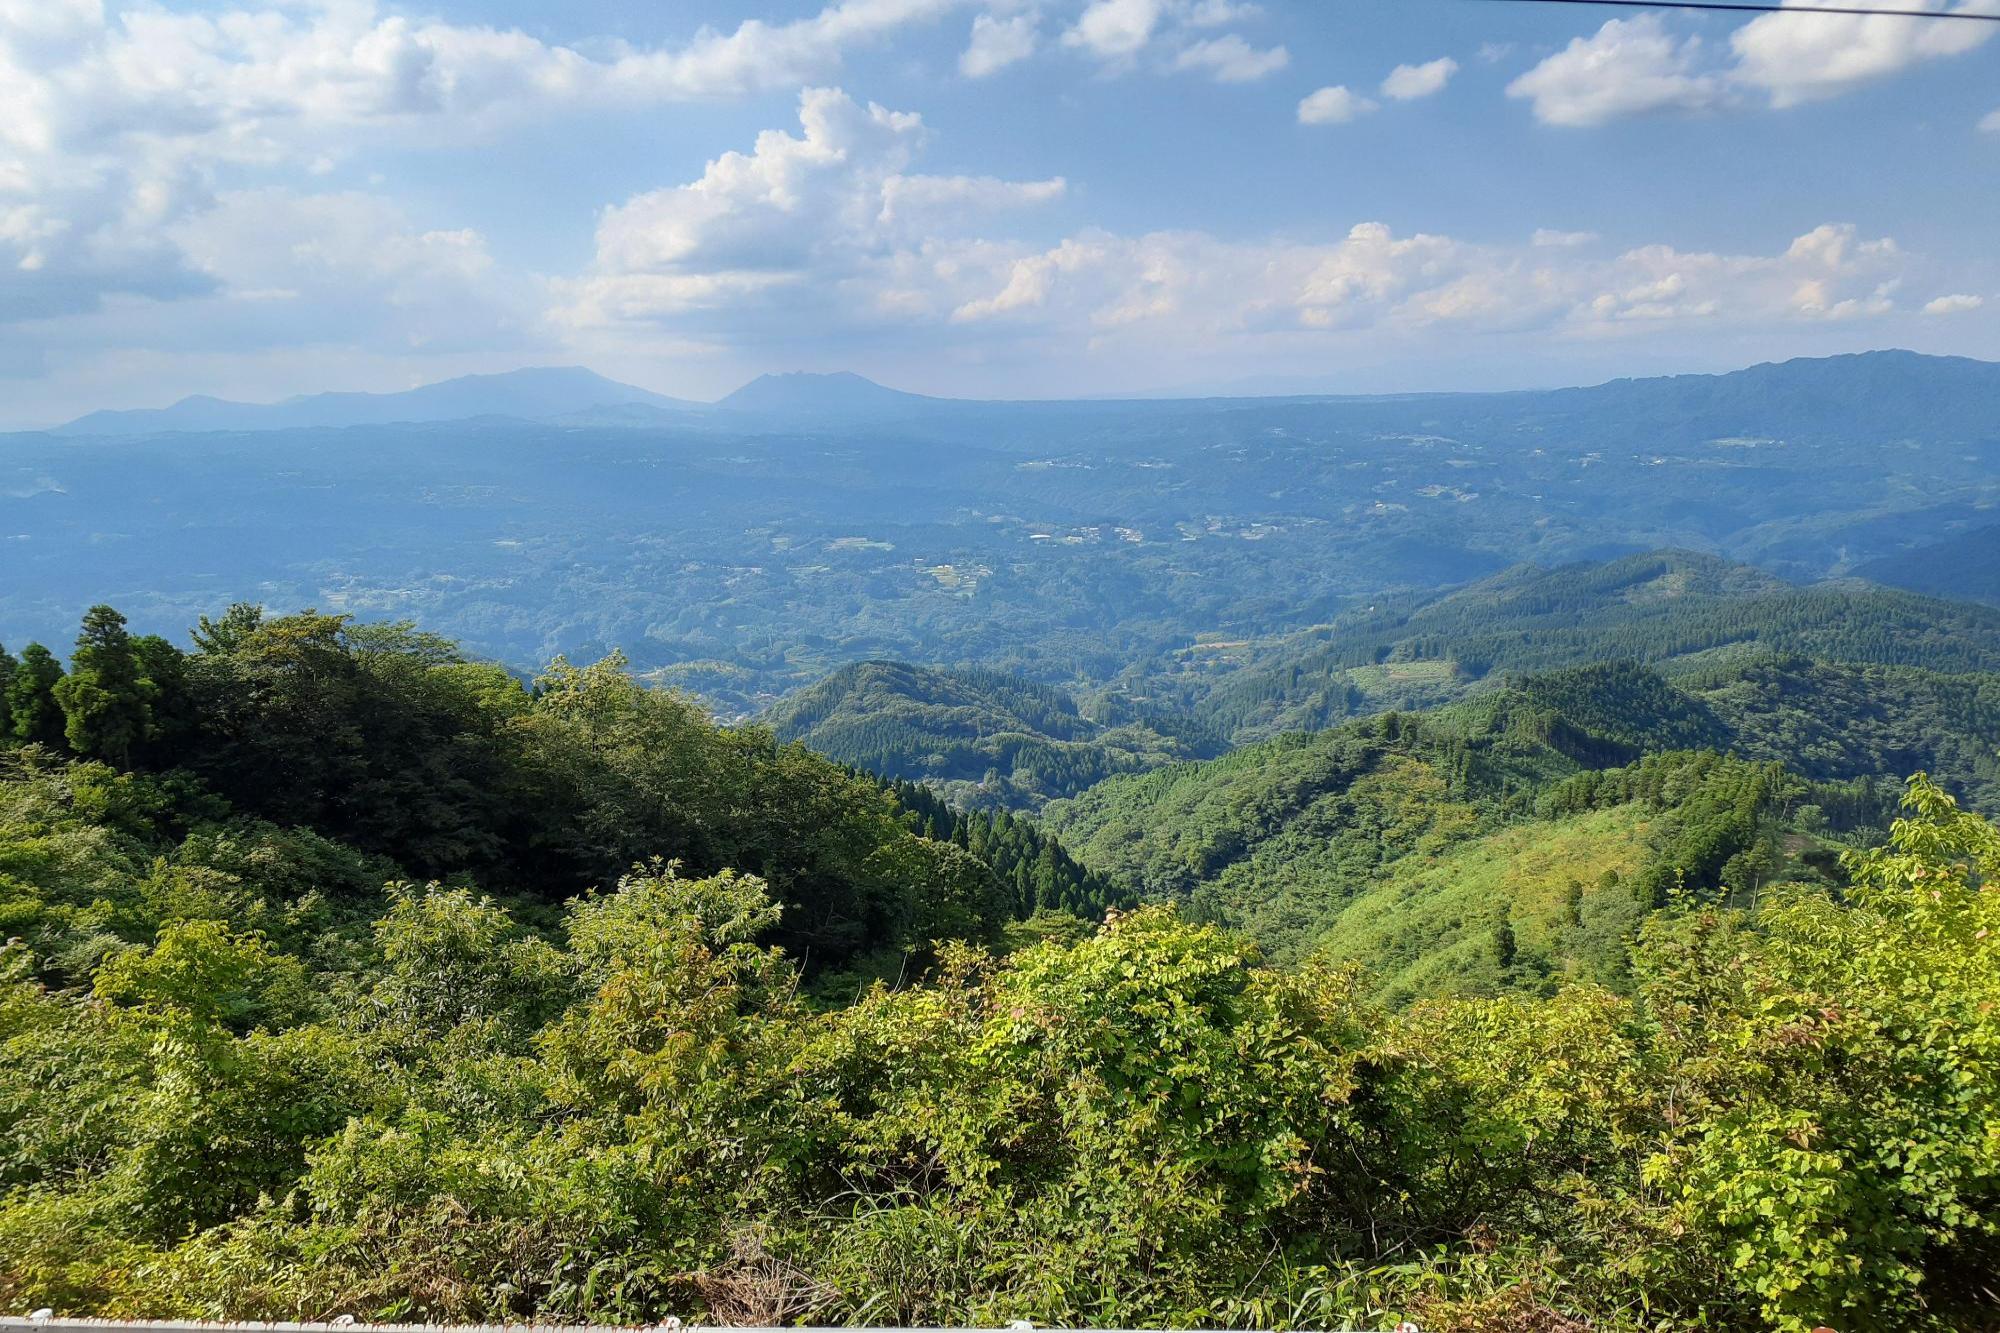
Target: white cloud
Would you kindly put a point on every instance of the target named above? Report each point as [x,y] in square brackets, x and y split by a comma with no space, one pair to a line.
[1546,238]
[1953,305]
[296,292]
[135,164]
[1634,66]
[1991,124]
[997,43]
[1795,58]
[808,211]
[833,235]
[1166,36]
[117,124]
[1628,67]
[1336,105]
[1830,273]
[1194,291]
[1115,29]
[1409,82]
[1232,60]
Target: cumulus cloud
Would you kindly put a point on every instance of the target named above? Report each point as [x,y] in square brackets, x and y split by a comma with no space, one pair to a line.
[1196,290]
[347,267]
[1953,305]
[997,43]
[1796,58]
[296,292]
[1830,273]
[1634,66]
[136,161]
[1115,29]
[817,208]
[1336,105]
[1409,82]
[1166,35]
[1629,66]
[115,123]
[834,231]
[1991,123]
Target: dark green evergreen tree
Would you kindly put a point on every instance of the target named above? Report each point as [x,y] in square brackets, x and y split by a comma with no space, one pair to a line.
[175,717]
[107,702]
[32,715]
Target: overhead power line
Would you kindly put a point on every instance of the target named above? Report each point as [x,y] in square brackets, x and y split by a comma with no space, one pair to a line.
[1729,6]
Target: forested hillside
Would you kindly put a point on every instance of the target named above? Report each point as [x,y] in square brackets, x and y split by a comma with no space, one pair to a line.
[1672,608]
[1550,815]
[252,1070]
[983,738]
[334,753]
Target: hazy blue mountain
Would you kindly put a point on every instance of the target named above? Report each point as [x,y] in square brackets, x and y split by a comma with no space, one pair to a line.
[842,393]
[1893,398]
[1109,548]
[1965,564]
[533,394]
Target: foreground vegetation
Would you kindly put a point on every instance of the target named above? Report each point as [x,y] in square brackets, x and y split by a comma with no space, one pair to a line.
[343,979]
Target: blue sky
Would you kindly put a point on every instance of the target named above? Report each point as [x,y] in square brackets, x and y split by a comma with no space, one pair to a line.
[984,197]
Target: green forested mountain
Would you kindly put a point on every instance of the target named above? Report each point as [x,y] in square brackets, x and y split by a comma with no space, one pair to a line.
[985,738]
[1043,876]
[384,744]
[1672,608]
[1831,720]
[991,739]
[345,975]
[1305,839]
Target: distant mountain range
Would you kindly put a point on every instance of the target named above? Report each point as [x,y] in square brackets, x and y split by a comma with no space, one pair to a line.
[534,394]
[1260,564]
[841,392]
[562,395]
[1886,396]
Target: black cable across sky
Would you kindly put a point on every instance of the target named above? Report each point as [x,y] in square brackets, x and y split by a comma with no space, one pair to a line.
[1727,6]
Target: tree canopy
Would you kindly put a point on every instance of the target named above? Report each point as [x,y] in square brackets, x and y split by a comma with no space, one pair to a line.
[367,979]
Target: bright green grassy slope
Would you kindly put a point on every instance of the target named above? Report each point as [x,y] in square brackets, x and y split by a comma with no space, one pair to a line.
[1559,886]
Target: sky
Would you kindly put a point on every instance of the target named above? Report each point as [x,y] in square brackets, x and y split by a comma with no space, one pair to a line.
[992,198]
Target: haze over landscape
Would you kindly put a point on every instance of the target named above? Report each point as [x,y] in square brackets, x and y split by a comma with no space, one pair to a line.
[1112,663]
